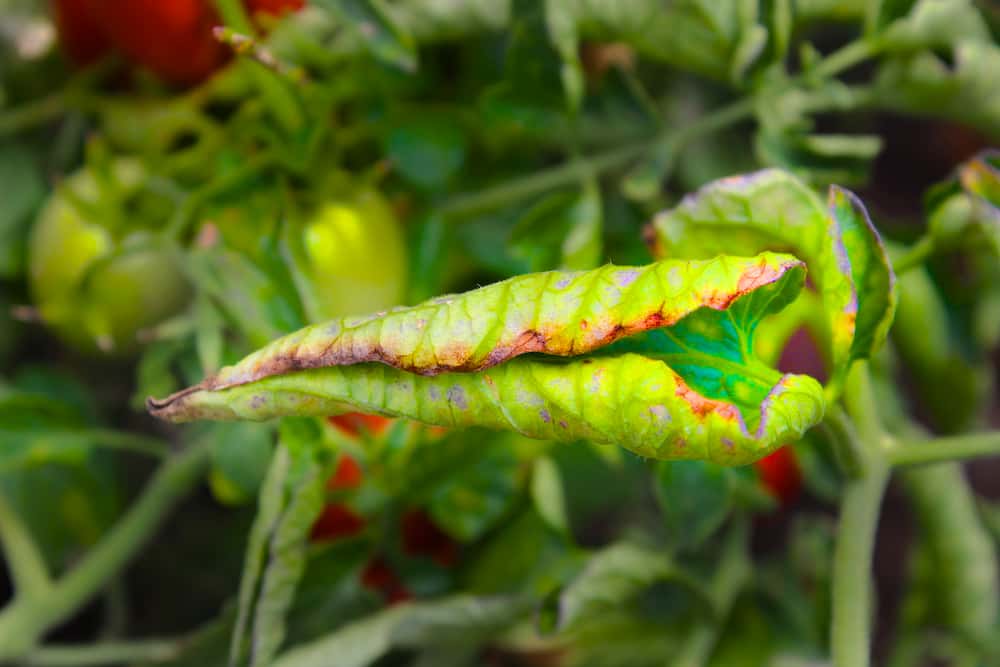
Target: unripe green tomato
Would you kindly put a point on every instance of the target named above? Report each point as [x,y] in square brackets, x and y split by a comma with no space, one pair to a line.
[353,256]
[92,300]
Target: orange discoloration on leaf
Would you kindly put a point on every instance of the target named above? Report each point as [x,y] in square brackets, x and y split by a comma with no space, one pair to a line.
[701,407]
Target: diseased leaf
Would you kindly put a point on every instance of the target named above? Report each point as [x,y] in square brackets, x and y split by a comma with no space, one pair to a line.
[692,390]
[771,209]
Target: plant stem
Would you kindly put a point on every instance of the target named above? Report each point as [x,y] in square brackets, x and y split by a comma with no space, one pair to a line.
[25,562]
[850,632]
[915,255]
[844,58]
[951,448]
[104,653]
[573,171]
[28,618]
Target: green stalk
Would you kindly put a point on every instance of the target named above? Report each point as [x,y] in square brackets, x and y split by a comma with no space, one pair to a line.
[950,448]
[850,630]
[572,172]
[28,618]
[104,653]
[916,255]
[25,562]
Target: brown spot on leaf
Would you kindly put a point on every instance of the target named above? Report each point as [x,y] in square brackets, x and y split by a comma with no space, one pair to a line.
[700,406]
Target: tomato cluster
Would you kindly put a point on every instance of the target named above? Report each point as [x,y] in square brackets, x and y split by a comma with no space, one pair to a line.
[420,536]
[171,38]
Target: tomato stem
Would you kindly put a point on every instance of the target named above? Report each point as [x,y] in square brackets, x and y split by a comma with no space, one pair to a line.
[850,631]
[25,620]
[951,448]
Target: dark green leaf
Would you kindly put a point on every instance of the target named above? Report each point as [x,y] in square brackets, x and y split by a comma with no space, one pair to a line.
[695,498]
[375,27]
[428,150]
[457,620]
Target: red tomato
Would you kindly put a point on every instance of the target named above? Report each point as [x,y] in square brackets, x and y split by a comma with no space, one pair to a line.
[348,474]
[335,522]
[779,472]
[82,38]
[274,7]
[356,423]
[421,536]
[171,38]
[378,576]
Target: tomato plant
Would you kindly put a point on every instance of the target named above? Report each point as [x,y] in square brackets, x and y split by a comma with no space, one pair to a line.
[493,328]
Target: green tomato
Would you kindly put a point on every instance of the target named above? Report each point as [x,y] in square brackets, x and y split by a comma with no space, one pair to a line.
[352,257]
[95,289]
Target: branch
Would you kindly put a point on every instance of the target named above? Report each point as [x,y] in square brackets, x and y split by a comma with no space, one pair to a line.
[850,631]
[571,172]
[952,448]
[26,564]
[28,618]
[105,653]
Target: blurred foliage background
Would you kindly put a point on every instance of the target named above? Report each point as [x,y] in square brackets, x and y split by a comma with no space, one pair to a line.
[172,200]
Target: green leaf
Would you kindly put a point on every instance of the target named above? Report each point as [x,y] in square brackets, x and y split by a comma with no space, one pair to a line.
[23,192]
[924,83]
[547,494]
[240,458]
[615,577]
[962,556]
[952,389]
[474,498]
[523,556]
[720,39]
[695,498]
[561,231]
[964,210]
[931,24]
[428,150]
[451,621]
[287,561]
[377,30]
[693,390]
[820,159]
[772,209]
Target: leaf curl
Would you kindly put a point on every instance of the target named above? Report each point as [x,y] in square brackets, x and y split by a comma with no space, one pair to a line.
[773,210]
[460,361]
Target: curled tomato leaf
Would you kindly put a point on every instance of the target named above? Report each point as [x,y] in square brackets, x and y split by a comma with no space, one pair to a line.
[657,359]
[773,210]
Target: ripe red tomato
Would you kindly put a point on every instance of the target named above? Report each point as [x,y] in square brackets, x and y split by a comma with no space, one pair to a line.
[348,474]
[335,522]
[171,38]
[378,576]
[421,536]
[354,424]
[274,7]
[780,474]
[81,36]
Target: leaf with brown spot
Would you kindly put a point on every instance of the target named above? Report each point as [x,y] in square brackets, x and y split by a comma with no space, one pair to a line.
[664,366]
